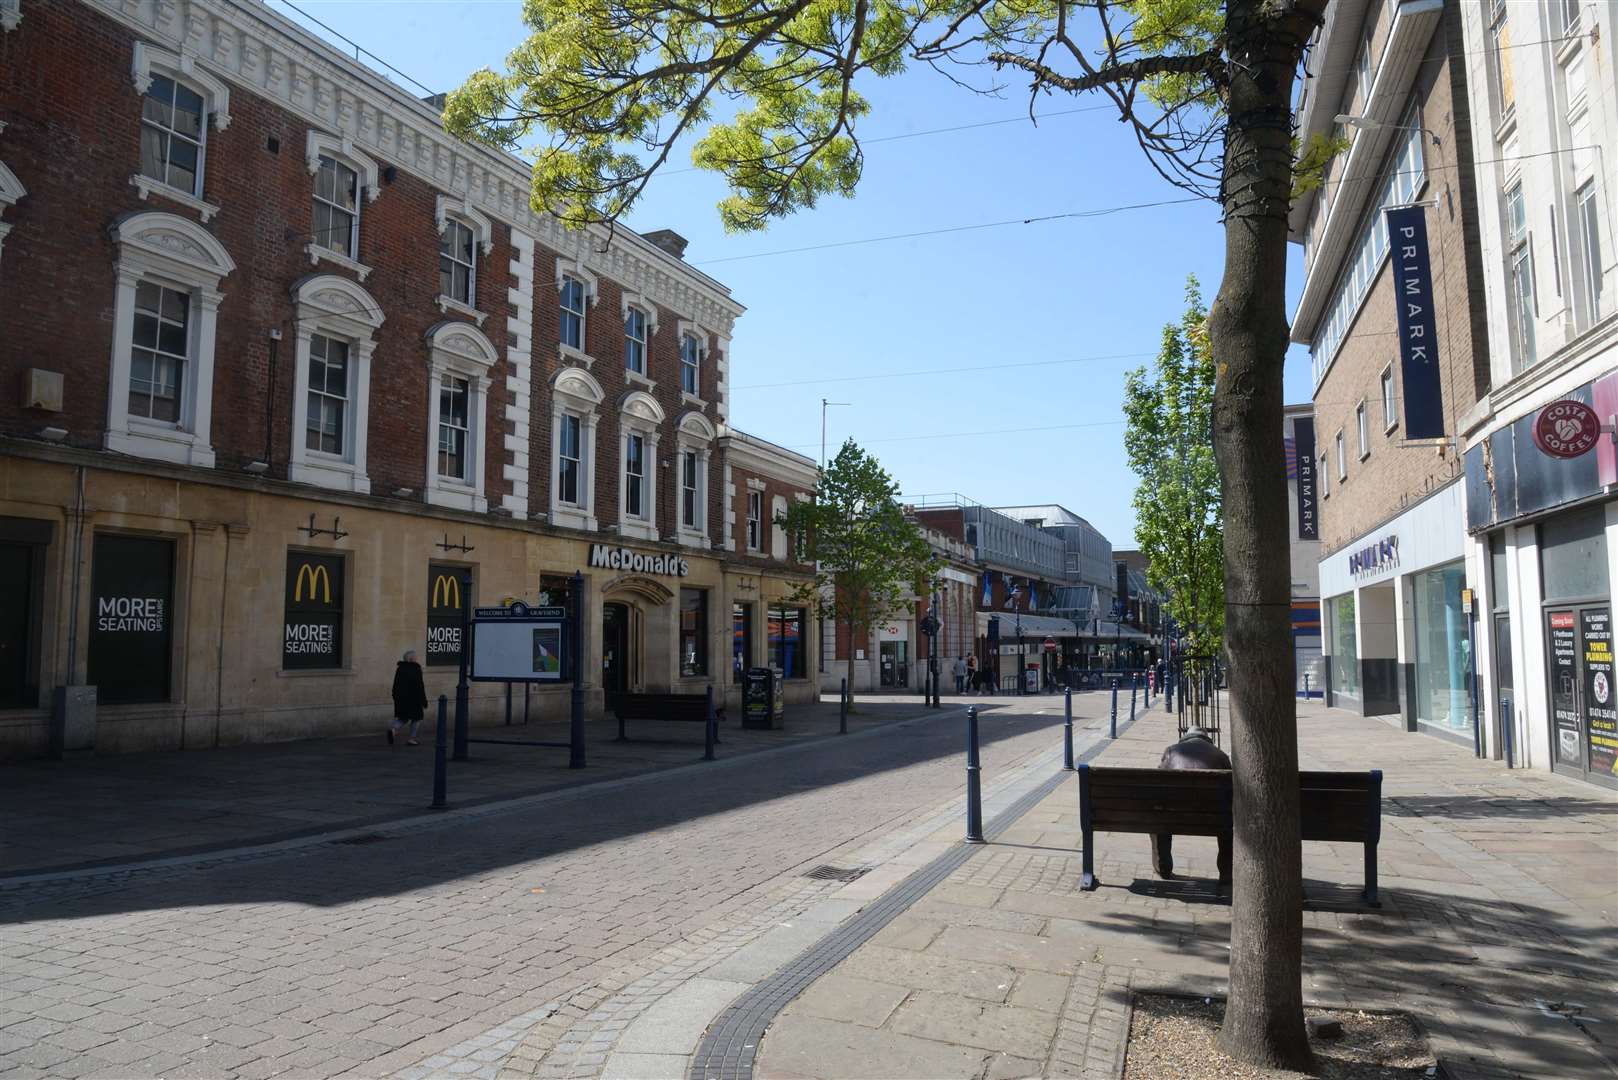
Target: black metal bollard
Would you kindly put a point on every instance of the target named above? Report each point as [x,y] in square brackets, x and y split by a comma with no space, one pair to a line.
[1115,708]
[461,733]
[1067,728]
[1306,686]
[842,707]
[1168,693]
[710,729]
[1134,688]
[508,704]
[974,789]
[575,727]
[440,749]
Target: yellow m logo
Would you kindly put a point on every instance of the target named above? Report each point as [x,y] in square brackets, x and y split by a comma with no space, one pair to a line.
[317,578]
[447,591]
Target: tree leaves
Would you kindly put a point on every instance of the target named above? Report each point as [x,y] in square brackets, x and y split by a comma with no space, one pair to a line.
[1169,442]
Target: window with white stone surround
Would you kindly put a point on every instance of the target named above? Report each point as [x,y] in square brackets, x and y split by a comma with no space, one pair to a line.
[575,409]
[695,435]
[180,101]
[11,190]
[336,324]
[639,420]
[341,175]
[576,295]
[165,310]
[640,323]
[463,234]
[459,359]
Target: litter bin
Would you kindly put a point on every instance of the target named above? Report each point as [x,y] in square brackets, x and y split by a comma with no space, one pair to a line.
[1030,679]
[762,698]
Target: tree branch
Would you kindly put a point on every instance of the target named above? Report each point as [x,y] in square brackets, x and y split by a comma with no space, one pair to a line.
[1209,64]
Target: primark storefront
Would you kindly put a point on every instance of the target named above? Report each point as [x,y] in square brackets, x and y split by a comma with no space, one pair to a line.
[1397,623]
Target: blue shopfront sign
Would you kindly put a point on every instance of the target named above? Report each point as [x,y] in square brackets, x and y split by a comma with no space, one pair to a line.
[1418,328]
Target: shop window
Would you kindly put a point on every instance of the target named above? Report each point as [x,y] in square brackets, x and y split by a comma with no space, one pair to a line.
[1499,579]
[1443,650]
[741,639]
[132,629]
[693,632]
[1573,555]
[312,636]
[449,599]
[23,545]
[1345,659]
[787,643]
[556,590]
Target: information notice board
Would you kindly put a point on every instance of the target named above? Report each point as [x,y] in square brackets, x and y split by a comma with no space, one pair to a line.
[1600,712]
[1564,685]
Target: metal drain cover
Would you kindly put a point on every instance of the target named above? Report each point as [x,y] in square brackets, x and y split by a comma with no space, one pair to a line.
[837,873]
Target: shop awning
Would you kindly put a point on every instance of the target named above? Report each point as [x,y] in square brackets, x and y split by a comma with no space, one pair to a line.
[1111,631]
[1033,626]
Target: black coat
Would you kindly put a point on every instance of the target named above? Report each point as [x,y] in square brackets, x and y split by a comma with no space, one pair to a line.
[409,691]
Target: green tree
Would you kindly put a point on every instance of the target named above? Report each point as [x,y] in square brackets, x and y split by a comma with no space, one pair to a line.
[767,89]
[1179,522]
[869,559]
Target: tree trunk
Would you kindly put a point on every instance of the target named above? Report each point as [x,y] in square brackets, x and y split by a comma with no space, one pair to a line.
[1248,331]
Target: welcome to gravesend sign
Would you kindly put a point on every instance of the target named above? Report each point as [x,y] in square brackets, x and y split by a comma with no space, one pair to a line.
[607,557]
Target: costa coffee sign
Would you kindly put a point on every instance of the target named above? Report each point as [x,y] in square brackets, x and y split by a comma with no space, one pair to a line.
[1567,429]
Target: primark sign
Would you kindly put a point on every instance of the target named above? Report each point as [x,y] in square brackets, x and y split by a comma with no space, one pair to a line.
[1375,558]
[607,557]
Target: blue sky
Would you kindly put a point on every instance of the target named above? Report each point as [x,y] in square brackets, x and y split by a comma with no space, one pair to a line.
[1095,292]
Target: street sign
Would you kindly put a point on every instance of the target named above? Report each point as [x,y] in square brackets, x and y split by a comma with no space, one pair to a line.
[1050,644]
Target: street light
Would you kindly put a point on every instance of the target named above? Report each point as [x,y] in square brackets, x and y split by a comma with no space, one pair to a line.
[824,405]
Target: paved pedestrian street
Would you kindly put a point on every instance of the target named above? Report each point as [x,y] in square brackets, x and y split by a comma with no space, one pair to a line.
[376,956]
[816,894]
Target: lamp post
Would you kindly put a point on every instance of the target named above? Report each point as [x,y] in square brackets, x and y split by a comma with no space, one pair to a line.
[824,405]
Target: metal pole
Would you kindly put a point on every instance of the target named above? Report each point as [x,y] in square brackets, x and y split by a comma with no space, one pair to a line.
[525,688]
[1506,723]
[575,754]
[1134,688]
[974,790]
[1067,728]
[462,688]
[1115,706]
[440,747]
[1306,686]
[709,728]
[508,704]
[842,707]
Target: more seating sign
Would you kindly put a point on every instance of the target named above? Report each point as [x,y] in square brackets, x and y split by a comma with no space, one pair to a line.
[519,644]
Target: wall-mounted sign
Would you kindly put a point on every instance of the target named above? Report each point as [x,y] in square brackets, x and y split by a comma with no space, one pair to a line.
[312,635]
[1303,443]
[607,557]
[1567,429]
[1372,558]
[132,587]
[449,591]
[1418,326]
[1600,710]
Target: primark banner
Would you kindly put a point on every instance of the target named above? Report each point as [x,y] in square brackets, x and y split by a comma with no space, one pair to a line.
[1303,453]
[1418,336]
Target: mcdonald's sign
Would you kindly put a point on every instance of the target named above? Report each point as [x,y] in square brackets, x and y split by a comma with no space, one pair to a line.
[312,635]
[449,598]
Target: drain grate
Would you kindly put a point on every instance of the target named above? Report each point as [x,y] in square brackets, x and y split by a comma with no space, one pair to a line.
[364,838]
[837,873]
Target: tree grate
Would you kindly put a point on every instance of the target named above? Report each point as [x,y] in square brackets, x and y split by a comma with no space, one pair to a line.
[837,873]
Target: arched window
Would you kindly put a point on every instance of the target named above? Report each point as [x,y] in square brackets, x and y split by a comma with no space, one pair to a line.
[165,311]
[575,404]
[336,324]
[640,418]
[457,414]
[695,435]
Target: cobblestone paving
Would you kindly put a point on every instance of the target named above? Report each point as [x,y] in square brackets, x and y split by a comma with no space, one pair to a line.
[373,958]
[1500,894]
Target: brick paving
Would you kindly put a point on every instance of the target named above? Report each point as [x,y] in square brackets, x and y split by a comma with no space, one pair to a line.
[375,958]
[1500,895]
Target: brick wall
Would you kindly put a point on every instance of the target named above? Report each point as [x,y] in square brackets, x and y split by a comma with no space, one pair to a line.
[1395,474]
[73,138]
[772,489]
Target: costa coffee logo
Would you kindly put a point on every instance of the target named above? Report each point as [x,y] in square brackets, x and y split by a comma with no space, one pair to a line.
[1567,429]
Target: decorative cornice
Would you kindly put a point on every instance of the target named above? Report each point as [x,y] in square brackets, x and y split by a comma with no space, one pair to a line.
[267,54]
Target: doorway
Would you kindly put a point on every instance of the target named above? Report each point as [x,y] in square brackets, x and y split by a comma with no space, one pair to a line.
[1584,715]
[895,663]
[17,619]
[1506,716]
[615,644]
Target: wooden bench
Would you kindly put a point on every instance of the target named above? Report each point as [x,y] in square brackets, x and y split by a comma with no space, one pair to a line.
[1334,806]
[691,708]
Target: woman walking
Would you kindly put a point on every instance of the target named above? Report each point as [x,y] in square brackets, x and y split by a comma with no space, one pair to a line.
[409,697]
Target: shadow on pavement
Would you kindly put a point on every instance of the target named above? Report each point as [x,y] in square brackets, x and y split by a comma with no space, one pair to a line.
[333,874]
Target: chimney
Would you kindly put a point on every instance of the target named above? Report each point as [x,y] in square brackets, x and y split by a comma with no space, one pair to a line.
[668,240]
[437,101]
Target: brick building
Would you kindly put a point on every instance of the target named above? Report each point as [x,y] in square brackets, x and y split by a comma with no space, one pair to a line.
[1390,76]
[294,361]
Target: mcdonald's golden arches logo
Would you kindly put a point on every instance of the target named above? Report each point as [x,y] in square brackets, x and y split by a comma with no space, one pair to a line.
[447,591]
[319,583]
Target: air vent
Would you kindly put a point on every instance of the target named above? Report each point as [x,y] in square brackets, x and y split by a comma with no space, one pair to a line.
[837,873]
